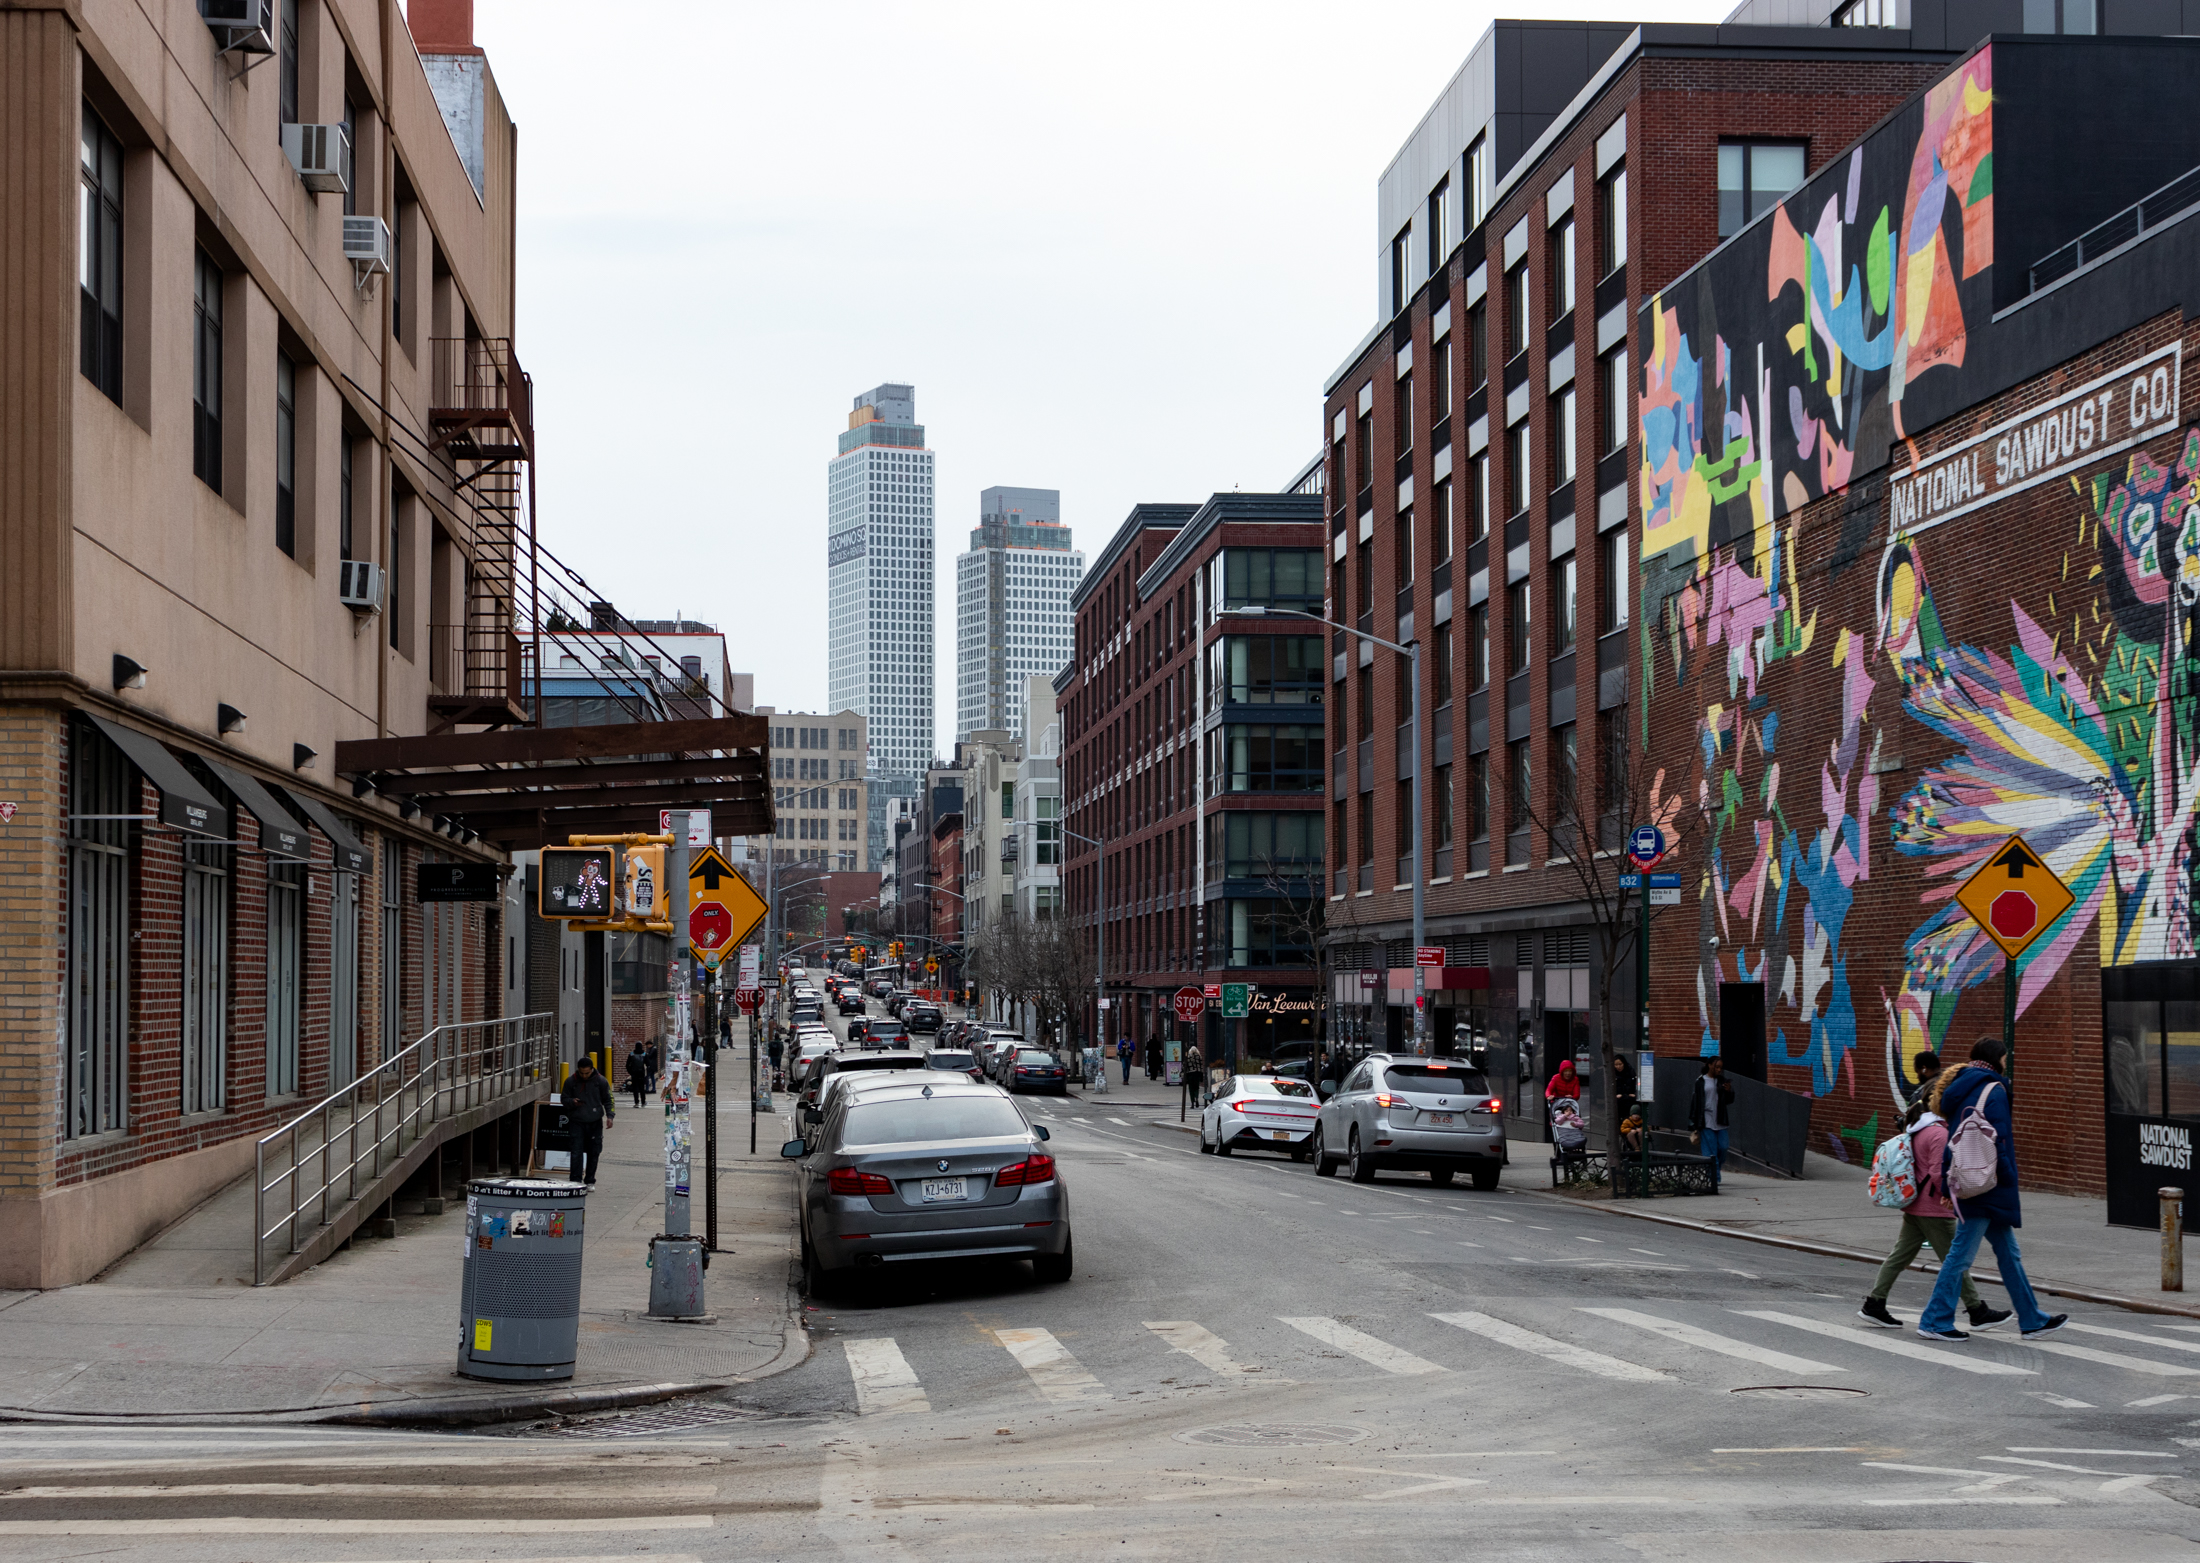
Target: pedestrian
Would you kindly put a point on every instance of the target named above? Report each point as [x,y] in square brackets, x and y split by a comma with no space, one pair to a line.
[1153,1058]
[1928,1218]
[1928,1070]
[1709,1114]
[1623,1087]
[637,1071]
[1195,1073]
[775,1051]
[1123,1051]
[1565,1083]
[1991,1216]
[589,1105]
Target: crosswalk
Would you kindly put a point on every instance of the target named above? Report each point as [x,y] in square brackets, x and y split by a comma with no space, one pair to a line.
[1648,1347]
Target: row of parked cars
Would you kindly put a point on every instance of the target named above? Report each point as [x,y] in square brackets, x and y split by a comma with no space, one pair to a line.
[1391,1112]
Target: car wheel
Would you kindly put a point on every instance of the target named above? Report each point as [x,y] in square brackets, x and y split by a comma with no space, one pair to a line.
[1205,1149]
[1323,1166]
[816,1280]
[1440,1176]
[1222,1146]
[1485,1179]
[1361,1169]
[1056,1268]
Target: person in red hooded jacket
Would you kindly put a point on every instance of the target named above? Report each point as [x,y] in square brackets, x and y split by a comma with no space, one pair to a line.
[1564,1083]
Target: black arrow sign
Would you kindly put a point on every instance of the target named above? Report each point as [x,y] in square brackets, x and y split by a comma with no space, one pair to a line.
[2017,857]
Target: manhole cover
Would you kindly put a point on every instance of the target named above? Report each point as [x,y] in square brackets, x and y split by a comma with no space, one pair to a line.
[1274,1435]
[637,1424]
[1799,1391]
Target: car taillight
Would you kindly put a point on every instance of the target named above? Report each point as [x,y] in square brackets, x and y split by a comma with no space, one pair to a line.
[846,1180]
[1489,1106]
[1038,1169]
[1385,1099]
[1237,1107]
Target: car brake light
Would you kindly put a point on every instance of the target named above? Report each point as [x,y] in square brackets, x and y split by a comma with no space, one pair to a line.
[1385,1099]
[846,1180]
[1237,1107]
[1038,1169]
[1489,1106]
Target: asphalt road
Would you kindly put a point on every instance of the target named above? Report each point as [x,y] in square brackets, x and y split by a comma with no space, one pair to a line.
[1254,1362]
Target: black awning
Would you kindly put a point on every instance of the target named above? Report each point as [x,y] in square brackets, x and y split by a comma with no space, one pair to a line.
[183,802]
[351,857]
[281,833]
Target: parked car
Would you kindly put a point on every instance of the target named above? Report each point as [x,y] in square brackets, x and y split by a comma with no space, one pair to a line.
[921,1015]
[895,1000]
[1434,1115]
[1034,1069]
[829,1072]
[961,1063]
[1260,1112]
[806,1054]
[856,1029]
[936,1170]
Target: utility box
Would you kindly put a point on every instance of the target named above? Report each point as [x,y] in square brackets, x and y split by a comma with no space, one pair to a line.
[520,1297]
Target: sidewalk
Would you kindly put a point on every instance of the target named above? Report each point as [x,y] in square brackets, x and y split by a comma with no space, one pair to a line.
[373,1333]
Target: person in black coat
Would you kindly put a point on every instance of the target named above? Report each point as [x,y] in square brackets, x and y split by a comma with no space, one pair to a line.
[1709,1102]
[637,1073]
[589,1105]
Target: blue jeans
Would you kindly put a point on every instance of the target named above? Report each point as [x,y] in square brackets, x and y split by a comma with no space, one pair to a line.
[1940,1313]
[1126,1069]
[1714,1146]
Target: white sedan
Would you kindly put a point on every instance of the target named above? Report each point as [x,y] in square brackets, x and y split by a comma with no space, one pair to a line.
[807,1052]
[1259,1112]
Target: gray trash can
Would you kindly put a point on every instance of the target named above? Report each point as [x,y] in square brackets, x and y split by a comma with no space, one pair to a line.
[520,1298]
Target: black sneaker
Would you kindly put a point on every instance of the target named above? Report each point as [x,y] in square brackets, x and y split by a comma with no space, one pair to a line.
[2050,1327]
[1950,1334]
[1985,1316]
[1874,1312]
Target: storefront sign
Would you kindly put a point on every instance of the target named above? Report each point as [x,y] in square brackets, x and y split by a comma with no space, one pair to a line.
[2146,1155]
[1279,1004]
[2097,419]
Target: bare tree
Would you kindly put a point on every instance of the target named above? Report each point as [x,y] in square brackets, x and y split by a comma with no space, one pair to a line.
[1301,911]
[1060,973]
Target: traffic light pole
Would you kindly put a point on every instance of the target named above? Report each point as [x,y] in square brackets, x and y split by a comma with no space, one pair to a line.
[676,1256]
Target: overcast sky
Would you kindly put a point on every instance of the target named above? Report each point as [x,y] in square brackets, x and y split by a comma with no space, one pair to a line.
[1117,250]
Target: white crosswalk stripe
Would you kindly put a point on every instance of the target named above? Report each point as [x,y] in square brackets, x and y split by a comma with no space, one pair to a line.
[1553,1350]
[1207,1349]
[883,1378]
[1917,1351]
[1366,1347]
[2115,1359]
[2144,1340]
[1704,1340]
[1054,1372]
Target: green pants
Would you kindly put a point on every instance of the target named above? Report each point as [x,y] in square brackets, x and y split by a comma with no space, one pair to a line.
[1917,1231]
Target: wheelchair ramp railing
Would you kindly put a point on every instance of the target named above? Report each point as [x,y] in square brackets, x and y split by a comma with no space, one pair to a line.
[319,1175]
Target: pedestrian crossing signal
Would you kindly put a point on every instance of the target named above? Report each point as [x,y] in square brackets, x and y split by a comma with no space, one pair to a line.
[577,882]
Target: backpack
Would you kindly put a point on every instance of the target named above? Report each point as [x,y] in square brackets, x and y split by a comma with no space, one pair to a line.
[1974,1152]
[1893,1182]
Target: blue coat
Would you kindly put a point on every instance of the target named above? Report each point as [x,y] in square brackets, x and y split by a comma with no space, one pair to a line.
[2000,1203]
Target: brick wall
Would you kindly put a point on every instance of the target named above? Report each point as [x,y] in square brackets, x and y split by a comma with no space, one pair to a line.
[32,889]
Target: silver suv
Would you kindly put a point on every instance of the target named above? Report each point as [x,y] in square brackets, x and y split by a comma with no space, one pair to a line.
[1433,1115]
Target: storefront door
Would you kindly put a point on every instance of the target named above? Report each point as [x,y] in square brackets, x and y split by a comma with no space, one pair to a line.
[2150,1034]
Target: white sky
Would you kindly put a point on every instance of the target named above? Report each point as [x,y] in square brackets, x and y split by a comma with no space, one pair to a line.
[1117,249]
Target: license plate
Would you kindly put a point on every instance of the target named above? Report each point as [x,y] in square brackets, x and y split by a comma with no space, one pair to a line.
[1438,1117]
[938,1189]
[1279,1134]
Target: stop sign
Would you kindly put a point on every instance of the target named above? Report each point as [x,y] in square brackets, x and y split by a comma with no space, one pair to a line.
[1190,1004]
[710,925]
[2013,914]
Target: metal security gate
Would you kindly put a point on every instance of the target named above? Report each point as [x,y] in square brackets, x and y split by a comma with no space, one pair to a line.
[205,977]
[285,938]
[99,937]
[343,998]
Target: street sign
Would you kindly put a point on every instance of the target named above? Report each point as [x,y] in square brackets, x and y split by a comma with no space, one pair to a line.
[1665,895]
[1646,844]
[1214,992]
[1630,881]
[1371,979]
[1237,1000]
[698,826]
[1428,955]
[2014,897]
[722,908]
[1190,1004]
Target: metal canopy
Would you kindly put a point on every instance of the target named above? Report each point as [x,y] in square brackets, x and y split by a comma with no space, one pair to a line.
[532,787]
[282,834]
[184,803]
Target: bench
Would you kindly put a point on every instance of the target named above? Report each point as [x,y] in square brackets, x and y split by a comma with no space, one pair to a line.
[1669,1172]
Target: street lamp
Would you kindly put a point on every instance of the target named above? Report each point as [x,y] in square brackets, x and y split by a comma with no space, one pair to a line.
[1411,651]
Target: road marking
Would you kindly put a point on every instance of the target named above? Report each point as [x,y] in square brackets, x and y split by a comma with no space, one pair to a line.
[2126,1483]
[1366,1347]
[2032,1500]
[1654,1253]
[1747,1275]
[2064,1400]
[1579,1239]
[1938,1470]
[2155,1400]
[1422,1482]
[1054,1372]
[1506,1219]
[1553,1350]
[2144,1340]
[1125,1122]
[2128,1454]
[1899,1348]
[1206,1348]
[2045,1465]
[2115,1359]
[883,1378]
[1801,1449]
[240,1526]
[1704,1340]
[678,1492]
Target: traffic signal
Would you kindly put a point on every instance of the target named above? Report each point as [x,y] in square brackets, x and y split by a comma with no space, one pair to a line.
[577,882]
[645,883]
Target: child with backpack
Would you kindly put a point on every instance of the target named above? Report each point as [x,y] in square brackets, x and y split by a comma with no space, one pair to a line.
[1906,1176]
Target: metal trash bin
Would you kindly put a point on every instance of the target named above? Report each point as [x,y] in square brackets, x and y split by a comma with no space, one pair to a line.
[520,1297]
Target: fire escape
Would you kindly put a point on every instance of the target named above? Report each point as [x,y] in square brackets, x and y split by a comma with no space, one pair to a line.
[481,416]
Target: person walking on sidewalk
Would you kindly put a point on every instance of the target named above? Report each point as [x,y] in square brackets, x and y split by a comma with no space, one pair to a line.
[1709,1112]
[1991,1217]
[589,1105]
[1123,1051]
[637,1072]
[1929,1218]
[1928,1071]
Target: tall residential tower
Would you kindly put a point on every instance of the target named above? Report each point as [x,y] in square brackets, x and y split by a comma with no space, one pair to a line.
[1012,615]
[879,553]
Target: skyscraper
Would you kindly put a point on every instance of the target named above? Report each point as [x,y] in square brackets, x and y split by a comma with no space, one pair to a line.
[879,554]
[1012,614]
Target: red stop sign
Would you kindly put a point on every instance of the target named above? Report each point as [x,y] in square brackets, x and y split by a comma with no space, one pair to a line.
[2014,913]
[710,925]
[1190,1004]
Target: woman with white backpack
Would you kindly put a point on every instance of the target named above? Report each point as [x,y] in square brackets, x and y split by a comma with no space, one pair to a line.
[1928,1217]
[1980,1165]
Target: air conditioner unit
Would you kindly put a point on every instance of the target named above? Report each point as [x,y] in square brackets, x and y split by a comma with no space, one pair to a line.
[367,243]
[246,26]
[359,585]
[322,156]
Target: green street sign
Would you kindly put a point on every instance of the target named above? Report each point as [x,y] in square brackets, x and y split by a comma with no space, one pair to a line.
[1237,1000]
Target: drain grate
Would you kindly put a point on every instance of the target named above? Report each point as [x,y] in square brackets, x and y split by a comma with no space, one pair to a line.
[637,1424]
[1274,1435]
[1799,1391]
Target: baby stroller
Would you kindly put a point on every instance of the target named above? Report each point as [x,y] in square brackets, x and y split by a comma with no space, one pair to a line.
[1571,1137]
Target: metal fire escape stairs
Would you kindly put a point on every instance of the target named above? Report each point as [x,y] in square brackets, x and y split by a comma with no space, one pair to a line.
[481,417]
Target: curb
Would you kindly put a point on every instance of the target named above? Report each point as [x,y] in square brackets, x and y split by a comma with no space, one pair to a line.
[1835,1251]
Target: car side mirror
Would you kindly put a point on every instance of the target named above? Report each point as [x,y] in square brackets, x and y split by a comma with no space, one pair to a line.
[1040,1129]
[794,1150]
[1327,1089]
[812,1115]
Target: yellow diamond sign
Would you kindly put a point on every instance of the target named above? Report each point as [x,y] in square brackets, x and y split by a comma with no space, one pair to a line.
[2015,897]
[722,907]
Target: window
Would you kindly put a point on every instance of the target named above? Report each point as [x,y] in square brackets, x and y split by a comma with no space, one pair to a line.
[287,70]
[1442,652]
[1439,381]
[343,497]
[1563,578]
[351,176]
[1401,269]
[1478,498]
[1478,182]
[1478,647]
[1366,553]
[1275,577]
[1478,812]
[1869,13]
[1439,522]
[1258,757]
[1244,844]
[102,790]
[1565,790]
[1439,224]
[1518,618]
[286,455]
[1563,438]
[392,574]
[1366,701]
[285,959]
[1402,405]
[1612,221]
[1516,311]
[1264,670]
[1613,782]
[1616,394]
[1441,802]
[1516,468]
[1478,347]
[1612,576]
[1049,832]
[1562,268]
[1257,933]
[1402,812]
[1519,802]
[1754,175]
[99,257]
[1402,541]
[2058,16]
[206,372]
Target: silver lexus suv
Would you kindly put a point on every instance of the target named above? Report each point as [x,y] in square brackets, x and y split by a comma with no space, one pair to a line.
[1392,1113]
